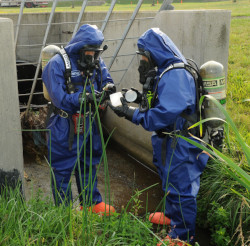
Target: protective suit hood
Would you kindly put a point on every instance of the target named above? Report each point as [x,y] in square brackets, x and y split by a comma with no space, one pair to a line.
[86,35]
[162,49]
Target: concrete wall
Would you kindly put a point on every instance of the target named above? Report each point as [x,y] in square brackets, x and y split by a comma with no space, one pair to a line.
[201,35]
[33,26]
[11,157]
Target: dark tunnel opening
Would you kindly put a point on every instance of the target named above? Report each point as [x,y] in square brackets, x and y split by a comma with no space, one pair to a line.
[25,75]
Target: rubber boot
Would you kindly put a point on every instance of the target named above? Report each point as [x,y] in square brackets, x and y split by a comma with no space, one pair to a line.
[159,218]
[172,242]
[102,209]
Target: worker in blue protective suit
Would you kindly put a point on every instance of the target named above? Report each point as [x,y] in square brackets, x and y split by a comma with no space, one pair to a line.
[178,162]
[67,139]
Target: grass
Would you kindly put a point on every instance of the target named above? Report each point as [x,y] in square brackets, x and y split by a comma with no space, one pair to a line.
[238,8]
[224,197]
[220,209]
[238,90]
[38,222]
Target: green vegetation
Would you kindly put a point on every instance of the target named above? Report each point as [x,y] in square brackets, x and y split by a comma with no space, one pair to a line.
[238,8]
[224,195]
[220,209]
[238,90]
[39,222]
[223,202]
[223,199]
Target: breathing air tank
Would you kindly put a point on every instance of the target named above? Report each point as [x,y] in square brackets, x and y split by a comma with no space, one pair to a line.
[213,77]
[47,53]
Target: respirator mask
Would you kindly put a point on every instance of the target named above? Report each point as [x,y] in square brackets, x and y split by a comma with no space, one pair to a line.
[147,73]
[89,58]
[146,67]
[143,70]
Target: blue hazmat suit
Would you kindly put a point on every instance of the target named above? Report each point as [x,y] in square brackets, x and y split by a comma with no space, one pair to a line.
[63,160]
[179,166]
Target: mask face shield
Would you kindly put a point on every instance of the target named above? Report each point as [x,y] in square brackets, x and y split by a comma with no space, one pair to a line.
[90,50]
[142,55]
[88,58]
[139,56]
[143,60]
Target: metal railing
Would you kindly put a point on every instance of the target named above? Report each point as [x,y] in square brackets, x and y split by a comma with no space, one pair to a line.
[77,23]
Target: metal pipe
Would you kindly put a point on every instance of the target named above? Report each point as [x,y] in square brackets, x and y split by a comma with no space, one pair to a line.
[26,80]
[108,15]
[26,63]
[40,57]
[90,21]
[141,18]
[118,70]
[19,21]
[108,40]
[126,32]
[34,105]
[107,57]
[126,69]
[35,93]
[84,4]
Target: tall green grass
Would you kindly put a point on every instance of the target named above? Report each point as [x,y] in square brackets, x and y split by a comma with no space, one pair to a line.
[224,198]
[223,204]
[39,222]
[238,84]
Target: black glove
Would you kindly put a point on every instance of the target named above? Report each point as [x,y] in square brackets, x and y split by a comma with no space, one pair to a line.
[124,110]
[109,89]
[90,98]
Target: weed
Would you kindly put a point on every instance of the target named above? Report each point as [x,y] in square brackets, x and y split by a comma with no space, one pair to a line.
[39,222]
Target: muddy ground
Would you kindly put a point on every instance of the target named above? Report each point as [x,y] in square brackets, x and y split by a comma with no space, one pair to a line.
[125,174]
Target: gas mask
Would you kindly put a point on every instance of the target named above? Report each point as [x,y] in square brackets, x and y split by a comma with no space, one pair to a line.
[143,70]
[87,63]
[147,78]
[146,67]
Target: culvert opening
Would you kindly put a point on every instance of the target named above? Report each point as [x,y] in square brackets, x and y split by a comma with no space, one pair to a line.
[25,75]
[33,123]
